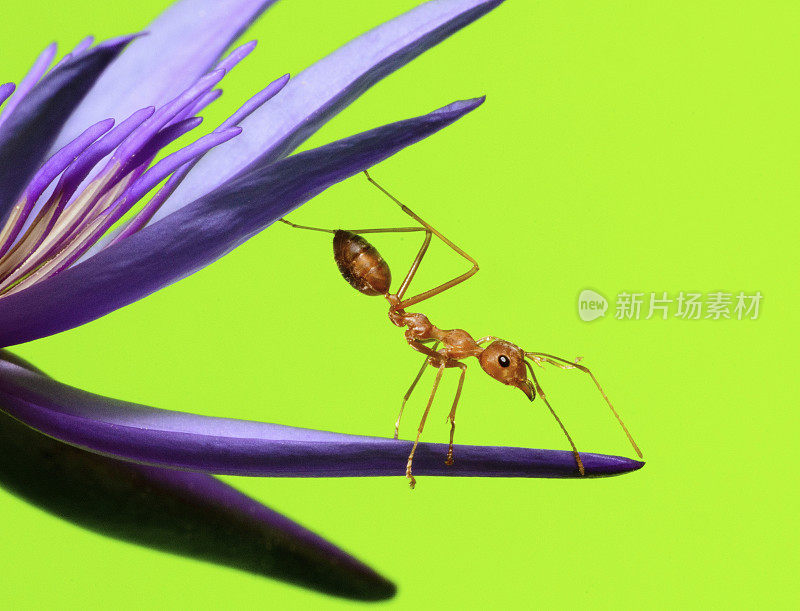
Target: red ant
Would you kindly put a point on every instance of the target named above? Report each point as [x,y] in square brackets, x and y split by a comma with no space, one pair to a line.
[366,271]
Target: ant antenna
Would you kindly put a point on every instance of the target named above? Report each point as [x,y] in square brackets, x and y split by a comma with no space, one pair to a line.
[561,424]
[565,364]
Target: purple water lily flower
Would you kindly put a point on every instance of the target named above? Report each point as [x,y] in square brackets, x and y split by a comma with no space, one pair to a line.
[77,146]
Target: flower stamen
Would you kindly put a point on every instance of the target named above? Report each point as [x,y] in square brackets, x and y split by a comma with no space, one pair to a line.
[34,75]
[46,234]
[6,89]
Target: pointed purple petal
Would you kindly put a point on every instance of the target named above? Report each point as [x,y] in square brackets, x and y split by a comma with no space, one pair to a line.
[191,514]
[182,44]
[321,91]
[31,129]
[203,231]
[239,447]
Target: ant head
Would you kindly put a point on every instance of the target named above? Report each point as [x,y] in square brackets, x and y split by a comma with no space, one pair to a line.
[505,362]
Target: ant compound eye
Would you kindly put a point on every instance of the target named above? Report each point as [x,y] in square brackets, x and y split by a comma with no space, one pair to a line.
[503,360]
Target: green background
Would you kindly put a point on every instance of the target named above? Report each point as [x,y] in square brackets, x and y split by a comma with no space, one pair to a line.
[623,147]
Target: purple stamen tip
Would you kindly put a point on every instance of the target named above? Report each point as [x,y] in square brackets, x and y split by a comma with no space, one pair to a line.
[237,55]
[120,40]
[162,139]
[204,102]
[256,101]
[6,90]
[83,45]
[58,162]
[166,114]
[80,169]
[172,162]
[34,75]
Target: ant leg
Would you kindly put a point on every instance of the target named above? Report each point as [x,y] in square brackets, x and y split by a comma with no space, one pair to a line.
[414,266]
[408,394]
[442,287]
[565,364]
[305,227]
[561,424]
[488,338]
[452,417]
[387,230]
[539,359]
[411,481]
[375,230]
[417,345]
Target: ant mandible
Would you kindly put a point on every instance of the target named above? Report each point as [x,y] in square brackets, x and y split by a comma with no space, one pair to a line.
[366,271]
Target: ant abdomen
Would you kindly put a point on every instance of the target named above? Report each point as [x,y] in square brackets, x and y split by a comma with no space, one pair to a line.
[361,264]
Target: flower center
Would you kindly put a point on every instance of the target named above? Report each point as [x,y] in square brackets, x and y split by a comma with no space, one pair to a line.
[69,205]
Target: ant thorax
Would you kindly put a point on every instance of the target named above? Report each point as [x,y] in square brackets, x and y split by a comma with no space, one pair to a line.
[456,344]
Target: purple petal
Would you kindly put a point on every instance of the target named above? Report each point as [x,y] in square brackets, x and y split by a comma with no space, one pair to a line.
[31,129]
[191,514]
[182,44]
[239,447]
[202,232]
[321,91]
